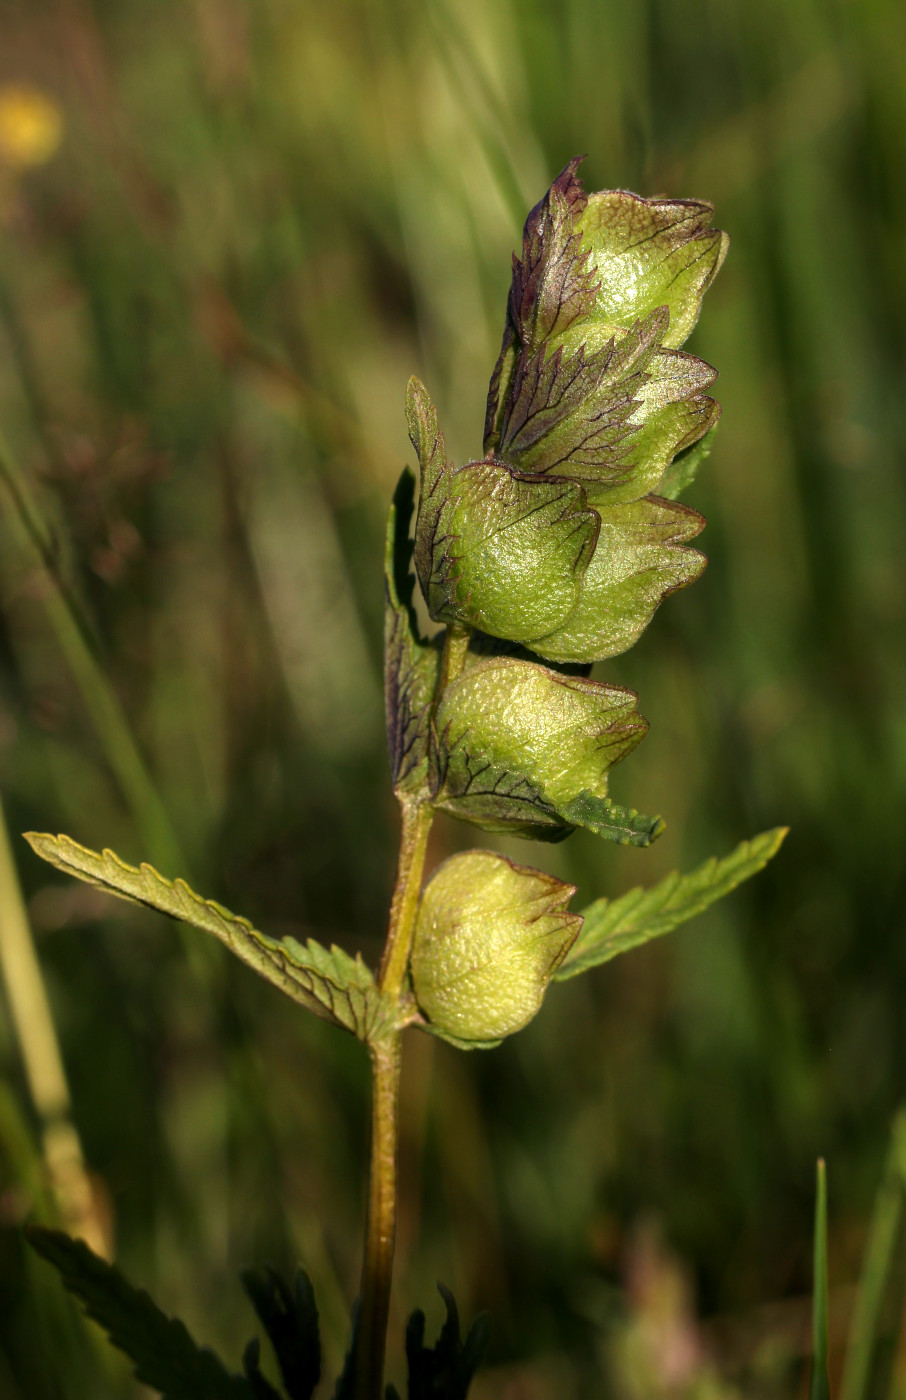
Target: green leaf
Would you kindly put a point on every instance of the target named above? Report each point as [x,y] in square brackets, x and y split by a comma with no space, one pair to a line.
[521,747]
[290,1319]
[488,936]
[673,413]
[623,825]
[444,1371]
[614,926]
[411,665]
[160,1347]
[647,253]
[683,470]
[819,1385]
[434,475]
[639,560]
[331,984]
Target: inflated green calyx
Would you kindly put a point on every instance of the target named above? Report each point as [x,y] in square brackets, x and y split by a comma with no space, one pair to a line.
[496,549]
[562,537]
[522,748]
[489,936]
[641,558]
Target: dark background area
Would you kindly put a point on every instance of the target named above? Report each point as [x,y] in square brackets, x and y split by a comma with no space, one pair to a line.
[229,231]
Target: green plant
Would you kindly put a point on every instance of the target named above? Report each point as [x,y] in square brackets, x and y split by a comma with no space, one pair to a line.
[548,554]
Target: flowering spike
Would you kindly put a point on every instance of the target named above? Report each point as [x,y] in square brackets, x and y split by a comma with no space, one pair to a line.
[590,402]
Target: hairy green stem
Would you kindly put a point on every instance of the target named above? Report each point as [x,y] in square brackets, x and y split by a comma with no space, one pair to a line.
[417,818]
[380,1233]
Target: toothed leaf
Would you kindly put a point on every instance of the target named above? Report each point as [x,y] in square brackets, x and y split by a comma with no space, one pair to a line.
[411,665]
[685,467]
[622,825]
[163,1353]
[331,984]
[290,1319]
[444,1371]
[614,926]
[488,936]
[521,747]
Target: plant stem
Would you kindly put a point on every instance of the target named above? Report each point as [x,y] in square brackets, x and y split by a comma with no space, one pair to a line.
[417,820]
[456,645]
[377,1265]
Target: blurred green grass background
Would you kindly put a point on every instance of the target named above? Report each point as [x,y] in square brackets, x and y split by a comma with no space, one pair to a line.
[258,220]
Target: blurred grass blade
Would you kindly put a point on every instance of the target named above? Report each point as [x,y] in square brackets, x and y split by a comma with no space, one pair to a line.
[101,702]
[42,1060]
[882,1236]
[819,1387]
[490,112]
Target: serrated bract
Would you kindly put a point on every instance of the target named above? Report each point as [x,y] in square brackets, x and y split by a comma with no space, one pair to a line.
[614,926]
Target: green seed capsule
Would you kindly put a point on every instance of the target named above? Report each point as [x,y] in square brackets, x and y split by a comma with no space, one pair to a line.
[489,935]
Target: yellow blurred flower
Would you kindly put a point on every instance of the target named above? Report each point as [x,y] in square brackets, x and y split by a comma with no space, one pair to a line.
[31,126]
